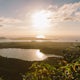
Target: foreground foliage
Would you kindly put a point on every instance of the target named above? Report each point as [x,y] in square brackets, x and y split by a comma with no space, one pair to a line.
[68,68]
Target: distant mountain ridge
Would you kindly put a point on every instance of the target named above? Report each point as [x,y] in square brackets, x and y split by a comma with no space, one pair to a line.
[28,38]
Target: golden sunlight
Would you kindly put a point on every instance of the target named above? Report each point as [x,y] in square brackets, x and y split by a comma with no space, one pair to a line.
[40,19]
[40,36]
[40,55]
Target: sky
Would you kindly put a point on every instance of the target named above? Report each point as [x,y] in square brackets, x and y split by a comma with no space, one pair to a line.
[22,18]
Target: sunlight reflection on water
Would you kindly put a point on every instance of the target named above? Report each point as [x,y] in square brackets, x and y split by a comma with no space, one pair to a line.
[24,54]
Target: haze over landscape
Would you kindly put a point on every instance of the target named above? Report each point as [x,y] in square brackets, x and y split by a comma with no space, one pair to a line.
[39,39]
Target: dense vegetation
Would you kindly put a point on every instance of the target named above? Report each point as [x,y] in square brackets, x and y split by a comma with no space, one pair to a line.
[67,69]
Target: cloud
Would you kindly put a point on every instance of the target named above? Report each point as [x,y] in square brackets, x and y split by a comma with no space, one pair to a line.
[1,25]
[9,21]
[67,12]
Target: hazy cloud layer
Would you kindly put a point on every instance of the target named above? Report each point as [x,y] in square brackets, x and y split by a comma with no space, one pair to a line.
[59,17]
[67,12]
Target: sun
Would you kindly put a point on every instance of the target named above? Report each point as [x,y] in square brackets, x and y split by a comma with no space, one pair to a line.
[40,19]
[40,36]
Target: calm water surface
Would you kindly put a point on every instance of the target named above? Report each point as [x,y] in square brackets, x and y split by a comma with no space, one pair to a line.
[25,54]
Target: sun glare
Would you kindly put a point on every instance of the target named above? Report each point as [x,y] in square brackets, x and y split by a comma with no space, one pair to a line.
[40,19]
[40,55]
[40,36]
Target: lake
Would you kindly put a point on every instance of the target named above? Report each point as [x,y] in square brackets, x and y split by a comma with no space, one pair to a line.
[25,54]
